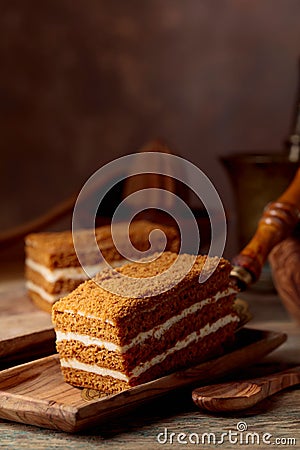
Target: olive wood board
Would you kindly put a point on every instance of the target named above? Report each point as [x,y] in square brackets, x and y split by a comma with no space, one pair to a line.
[35,393]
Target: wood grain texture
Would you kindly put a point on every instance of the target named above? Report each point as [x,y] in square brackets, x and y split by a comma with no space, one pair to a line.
[35,393]
[238,395]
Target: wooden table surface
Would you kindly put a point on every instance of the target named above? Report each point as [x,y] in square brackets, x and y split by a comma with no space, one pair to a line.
[279,415]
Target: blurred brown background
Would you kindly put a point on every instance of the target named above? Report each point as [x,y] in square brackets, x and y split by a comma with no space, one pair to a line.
[85,81]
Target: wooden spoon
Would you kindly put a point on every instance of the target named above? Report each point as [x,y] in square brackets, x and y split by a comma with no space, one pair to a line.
[237,395]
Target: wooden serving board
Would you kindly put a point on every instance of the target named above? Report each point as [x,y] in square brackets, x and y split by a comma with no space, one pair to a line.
[35,393]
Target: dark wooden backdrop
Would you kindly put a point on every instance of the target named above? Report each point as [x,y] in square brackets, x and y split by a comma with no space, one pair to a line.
[84,81]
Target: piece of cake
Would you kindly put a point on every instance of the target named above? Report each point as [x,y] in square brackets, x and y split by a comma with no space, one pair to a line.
[52,268]
[110,342]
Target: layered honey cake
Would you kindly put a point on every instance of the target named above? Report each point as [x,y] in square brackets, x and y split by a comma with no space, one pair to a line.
[111,341]
[52,268]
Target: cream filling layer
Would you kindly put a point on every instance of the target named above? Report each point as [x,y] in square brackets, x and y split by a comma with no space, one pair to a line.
[74,364]
[156,332]
[51,298]
[69,273]
[138,370]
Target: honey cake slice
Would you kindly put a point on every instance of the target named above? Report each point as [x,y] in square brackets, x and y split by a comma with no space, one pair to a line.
[111,342]
[52,268]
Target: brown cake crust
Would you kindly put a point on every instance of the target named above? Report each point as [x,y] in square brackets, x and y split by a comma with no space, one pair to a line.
[93,311]
[56,249]
[90,298]
[101,329]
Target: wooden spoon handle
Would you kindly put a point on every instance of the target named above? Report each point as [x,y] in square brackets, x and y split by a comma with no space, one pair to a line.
[277,223]
[239,395]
